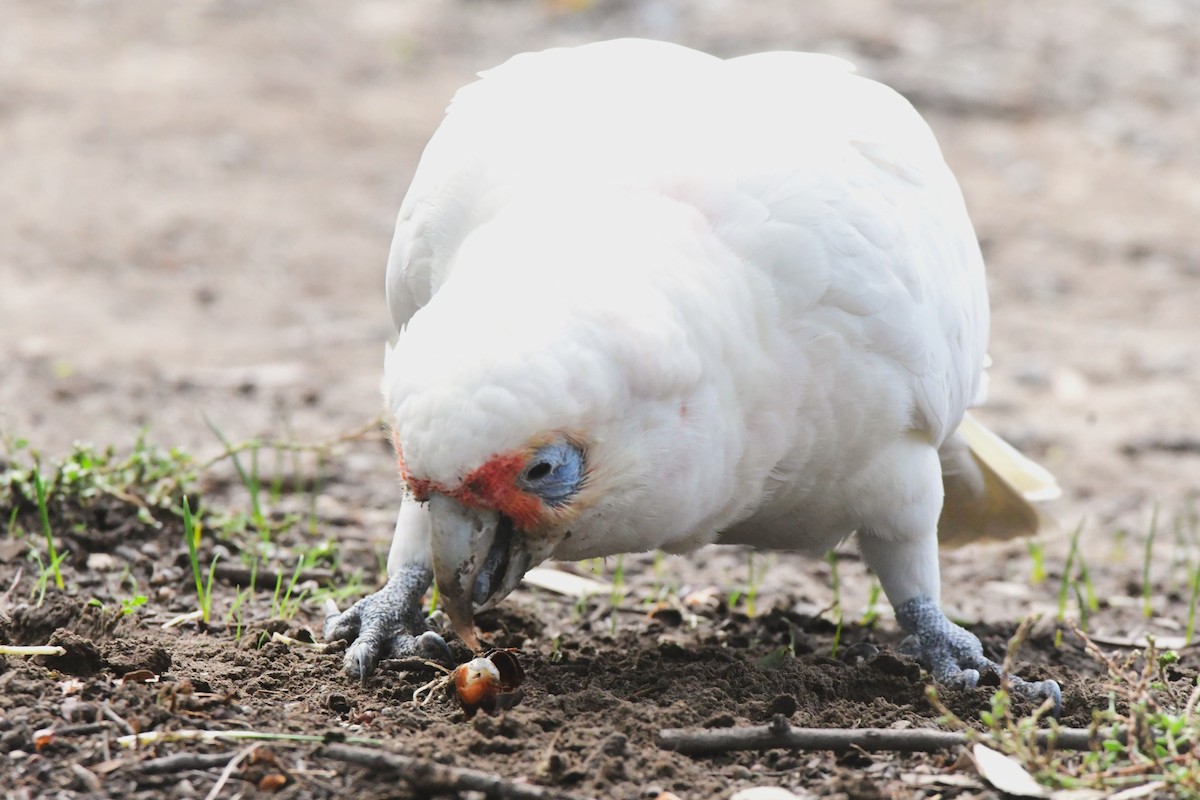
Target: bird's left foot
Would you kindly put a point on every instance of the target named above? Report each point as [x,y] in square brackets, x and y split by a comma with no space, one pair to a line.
[955,656]
[389,623]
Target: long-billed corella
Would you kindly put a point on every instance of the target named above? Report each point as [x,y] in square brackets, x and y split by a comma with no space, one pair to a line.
[649,298]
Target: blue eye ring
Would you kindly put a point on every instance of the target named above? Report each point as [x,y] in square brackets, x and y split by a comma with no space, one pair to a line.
[554,472]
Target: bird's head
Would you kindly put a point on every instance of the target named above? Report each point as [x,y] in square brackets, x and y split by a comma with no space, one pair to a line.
[503,517]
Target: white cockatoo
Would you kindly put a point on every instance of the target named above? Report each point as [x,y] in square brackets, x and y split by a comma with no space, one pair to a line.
[649,298]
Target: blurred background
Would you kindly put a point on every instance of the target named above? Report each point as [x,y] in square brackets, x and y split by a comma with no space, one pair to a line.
[196,201]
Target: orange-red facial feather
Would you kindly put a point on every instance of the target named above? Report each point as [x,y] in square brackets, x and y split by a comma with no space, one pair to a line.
[491,486]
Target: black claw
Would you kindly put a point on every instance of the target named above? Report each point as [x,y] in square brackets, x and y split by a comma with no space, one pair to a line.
[859,651]
[432,646]
[1039,692]
[1052,690]
[360,662]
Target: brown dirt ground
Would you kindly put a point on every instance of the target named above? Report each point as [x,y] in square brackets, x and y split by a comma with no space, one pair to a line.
[197,205]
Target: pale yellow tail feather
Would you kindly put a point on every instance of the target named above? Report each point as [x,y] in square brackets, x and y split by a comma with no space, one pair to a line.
[990,488]
[1023,474]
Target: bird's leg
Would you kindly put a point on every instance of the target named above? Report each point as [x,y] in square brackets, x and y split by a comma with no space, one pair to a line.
[391,622]
[954,656]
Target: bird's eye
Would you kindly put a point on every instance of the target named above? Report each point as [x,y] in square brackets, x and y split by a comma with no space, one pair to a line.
[554,472]
[538,471]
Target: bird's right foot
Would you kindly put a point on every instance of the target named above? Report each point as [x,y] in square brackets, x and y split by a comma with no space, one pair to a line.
[388,624]
[955,656]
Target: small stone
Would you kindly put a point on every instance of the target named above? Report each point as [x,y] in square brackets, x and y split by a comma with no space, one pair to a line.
[720,721]
[615,745]
[338,703]
[783,704]
[102,562]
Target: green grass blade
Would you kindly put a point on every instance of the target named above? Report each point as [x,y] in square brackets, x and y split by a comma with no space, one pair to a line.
[1147,610]
[43,509]
[191,536]
[250,482]
[206,603]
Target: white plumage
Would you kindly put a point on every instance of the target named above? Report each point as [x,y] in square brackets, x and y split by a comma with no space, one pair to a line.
[741,299]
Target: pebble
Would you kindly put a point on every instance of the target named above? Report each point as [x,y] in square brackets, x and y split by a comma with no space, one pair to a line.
[102,562]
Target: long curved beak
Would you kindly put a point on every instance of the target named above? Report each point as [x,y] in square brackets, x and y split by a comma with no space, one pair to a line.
[478,559]
[461,540]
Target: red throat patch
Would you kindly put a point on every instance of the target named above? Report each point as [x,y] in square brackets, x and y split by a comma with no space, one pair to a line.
[491,486]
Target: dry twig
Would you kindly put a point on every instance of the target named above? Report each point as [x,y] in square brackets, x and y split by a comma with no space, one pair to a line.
[433,777]
[117,718]
[6,598]
[781,735]
[178,762]
[374,426]
[228,771]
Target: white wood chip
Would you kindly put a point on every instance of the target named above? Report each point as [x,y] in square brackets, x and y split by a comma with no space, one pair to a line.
[1079,794]
[1147,790]
[183,618]
[565,583]
[1005,773]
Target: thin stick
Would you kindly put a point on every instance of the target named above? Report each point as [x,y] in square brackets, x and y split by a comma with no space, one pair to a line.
[32,650]
[117,718]
[87,777]
[910,740]
[230,450]
[320,647]
[229,768]
[193,735]
[179,762]
[430,776]
[6,598]
[82,729]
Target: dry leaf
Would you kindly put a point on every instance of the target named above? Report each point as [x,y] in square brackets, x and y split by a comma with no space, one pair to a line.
[111,765]
[138,676]
[272,781]
[1006,773]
